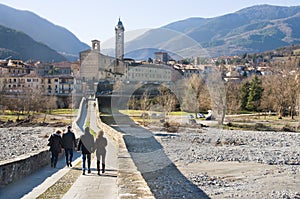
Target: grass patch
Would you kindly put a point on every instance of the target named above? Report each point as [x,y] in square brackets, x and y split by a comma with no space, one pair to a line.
[61,187]
[262,123]
[180,113]
[64,111]
[5,118]
[88,124]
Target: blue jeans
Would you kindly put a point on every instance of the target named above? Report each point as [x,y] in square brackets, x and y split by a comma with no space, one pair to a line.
[69,155]
[84,157]
[54,158]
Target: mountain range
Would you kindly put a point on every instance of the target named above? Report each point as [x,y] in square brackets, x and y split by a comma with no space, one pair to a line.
[42,31]
[17,45]
[253,29]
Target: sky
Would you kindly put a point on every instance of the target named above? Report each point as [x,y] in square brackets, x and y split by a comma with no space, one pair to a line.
[96,19]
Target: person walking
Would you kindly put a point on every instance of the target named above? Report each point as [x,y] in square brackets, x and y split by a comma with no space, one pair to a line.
[56,144]
[86,145]
[69,143]
[100,144]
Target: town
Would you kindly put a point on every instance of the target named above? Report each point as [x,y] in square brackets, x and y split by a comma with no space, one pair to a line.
[63,80]
[198,108]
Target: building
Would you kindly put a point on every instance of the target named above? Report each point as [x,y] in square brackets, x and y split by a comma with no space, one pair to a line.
[48,79]
[161,57]
[119,29]
[96,67]
[146,73]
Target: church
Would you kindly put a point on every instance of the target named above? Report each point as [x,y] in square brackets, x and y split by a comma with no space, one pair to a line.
[96,67]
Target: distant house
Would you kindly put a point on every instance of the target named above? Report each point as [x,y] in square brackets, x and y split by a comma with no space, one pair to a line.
[161,57]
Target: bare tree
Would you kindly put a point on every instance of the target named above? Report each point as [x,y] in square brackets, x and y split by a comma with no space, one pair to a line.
[196,95]
[281,92]
[232,99]
[145,101]
[50,104]
[217,93]
[190,97]
[166,99]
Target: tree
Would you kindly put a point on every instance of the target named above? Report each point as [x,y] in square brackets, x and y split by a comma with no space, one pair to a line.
[49,104]
[217,93]
[233,102]
[244,94]
[166,99]
[255,93]
[145,101]
[281,91]
[196,96]
[192,91]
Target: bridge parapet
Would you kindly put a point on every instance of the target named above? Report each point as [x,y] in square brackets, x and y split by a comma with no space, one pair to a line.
[78,123]
[131,183]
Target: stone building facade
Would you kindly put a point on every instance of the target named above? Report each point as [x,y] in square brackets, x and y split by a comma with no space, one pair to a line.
[96,67]
[48,79]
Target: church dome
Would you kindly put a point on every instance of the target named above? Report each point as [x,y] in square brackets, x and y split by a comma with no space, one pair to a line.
[120,25]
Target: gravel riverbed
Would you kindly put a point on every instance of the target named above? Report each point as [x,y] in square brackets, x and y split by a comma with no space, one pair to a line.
[17,141]
[236,164]
[221,163]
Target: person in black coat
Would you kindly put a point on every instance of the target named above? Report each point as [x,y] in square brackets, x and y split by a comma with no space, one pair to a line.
[69,143]
[56,144]
[86,145]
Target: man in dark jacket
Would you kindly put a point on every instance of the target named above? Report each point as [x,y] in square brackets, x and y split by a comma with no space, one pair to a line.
[86,145]
[69,143]
[55,143]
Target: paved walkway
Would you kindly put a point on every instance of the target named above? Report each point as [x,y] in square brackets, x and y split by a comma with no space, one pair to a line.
[86,186]
[92,185]
[35,184]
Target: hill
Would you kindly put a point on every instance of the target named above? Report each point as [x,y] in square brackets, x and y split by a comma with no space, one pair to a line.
[250,30]
[41,30]
[18,45]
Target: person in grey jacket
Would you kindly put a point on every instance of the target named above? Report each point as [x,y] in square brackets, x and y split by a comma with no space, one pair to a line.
[86,145]
[100,144]
[69,143]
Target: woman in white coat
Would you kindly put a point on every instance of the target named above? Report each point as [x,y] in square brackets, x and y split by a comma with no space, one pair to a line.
[100,144]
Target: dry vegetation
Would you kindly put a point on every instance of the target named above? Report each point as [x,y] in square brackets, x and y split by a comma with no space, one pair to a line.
[57,118]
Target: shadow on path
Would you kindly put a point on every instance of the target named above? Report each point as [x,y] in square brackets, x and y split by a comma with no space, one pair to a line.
[25,185]
[160,173]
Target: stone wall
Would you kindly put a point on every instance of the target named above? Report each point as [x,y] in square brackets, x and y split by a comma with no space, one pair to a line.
[14,169]
[131,183]
[17,168]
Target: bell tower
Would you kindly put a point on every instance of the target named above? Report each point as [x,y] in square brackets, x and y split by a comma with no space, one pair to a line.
[119,40]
